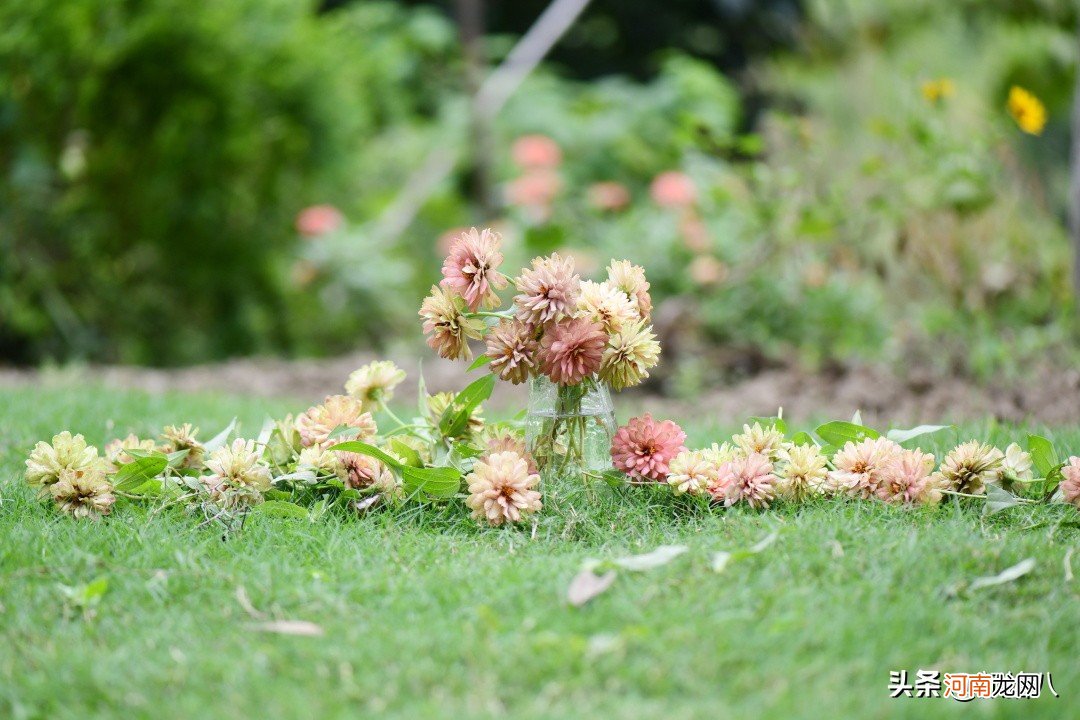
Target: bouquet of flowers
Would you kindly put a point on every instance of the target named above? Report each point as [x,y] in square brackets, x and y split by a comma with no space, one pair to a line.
[572,338]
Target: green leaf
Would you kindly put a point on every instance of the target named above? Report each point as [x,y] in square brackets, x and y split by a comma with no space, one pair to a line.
[138,472]
[176,459]
[342,431]
[439,482]
[466,451]
[280,508]
[998,499]
[219,440]
[902,436]
[1008,575]
[412,457]
[364,449]
[480,362]
[457,414]
[1042,454]
[803,438]
[838,432]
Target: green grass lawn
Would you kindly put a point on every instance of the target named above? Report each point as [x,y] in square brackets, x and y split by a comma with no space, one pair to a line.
[427,615]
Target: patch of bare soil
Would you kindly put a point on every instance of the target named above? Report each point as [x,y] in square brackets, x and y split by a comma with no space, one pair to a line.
[1048,396]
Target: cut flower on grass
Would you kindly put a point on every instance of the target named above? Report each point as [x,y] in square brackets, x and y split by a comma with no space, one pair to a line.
[501,489]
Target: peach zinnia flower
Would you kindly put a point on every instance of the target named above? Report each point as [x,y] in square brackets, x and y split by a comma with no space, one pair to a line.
[859,465]
[746,479]
[500,440]
[547,291]
[643,447]
[907,479]
[969,466]
[571,350]
[512,350]
[319,220]
[501,488]
[673,189]
[447,325]
[1070,481]
[316,424]
[471,268]
[363,472]
[83,493]
[536,151]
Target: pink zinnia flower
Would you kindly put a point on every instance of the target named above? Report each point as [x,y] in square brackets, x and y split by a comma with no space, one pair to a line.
[319,220]
[512,350]
[1070,482]
[907,479]
[536,151]
[502,488]
[608,196]
[643,447]
[571,350]
[859,465]
[471,268]
[749,479]
[673,189]
[547,291]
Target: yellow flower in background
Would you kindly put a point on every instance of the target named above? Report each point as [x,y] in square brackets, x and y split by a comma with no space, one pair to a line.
[1027,110]
[937,90]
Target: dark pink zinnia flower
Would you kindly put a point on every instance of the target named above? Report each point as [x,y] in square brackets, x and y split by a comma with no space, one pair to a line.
[643,447]
[471,268]
[571,350]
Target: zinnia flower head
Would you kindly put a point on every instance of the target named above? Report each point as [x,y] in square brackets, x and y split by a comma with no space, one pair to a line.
[471,268]
[116,450]
[1070,481]
[693,471]
[321,461]
[536,151]
[722,453]
[801,472]
[547,291]
[501,488]
[673,189]
[859,465]
[643,447]
[438,404]
[318,421]
[184,437]
[969,466]
[746,479]
[66,452]
[445,323]
[630,278]
[767,440]
[1016,465]
[512,349]
[238,476]
[907,479]
[373,384]
[84,492]
[501,440]
[1027,110]
[572,350]
[629,355]
[608,195]
[606,305]
[319,220]
[363,472]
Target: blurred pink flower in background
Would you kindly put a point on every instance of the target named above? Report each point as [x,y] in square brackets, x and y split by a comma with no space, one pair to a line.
[609,195]
[534,189]
[536,151]
[695,233]
[673,189]
[707,270]
[319,220]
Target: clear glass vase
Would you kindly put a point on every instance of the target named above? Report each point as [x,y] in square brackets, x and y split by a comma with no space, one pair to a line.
[568,428]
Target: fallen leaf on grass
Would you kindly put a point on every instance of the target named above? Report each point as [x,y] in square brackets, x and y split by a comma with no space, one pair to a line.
[660,556]
[586,585]
[290,627]
[1007,575]
[722,558]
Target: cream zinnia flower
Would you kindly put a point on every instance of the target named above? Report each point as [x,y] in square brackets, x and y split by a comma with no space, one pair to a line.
[83,493]
[606,305]
[969,466]
[501,489]
[373,384]
[116,450]
[238,476]
[630,278]
[801,472]
[757,439]
[693,471]
[66,452]
[316,424]
[547,291]
[321,461]
[447,326]
[629,355]
[184,437]
[859,466]
[1016,465]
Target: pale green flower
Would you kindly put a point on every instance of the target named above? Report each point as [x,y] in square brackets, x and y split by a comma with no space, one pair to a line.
[66,452]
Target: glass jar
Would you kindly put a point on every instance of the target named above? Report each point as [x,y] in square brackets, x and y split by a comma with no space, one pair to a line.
[568,428]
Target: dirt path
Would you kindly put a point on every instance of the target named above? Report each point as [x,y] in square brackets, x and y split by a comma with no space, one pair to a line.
[1051,397]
